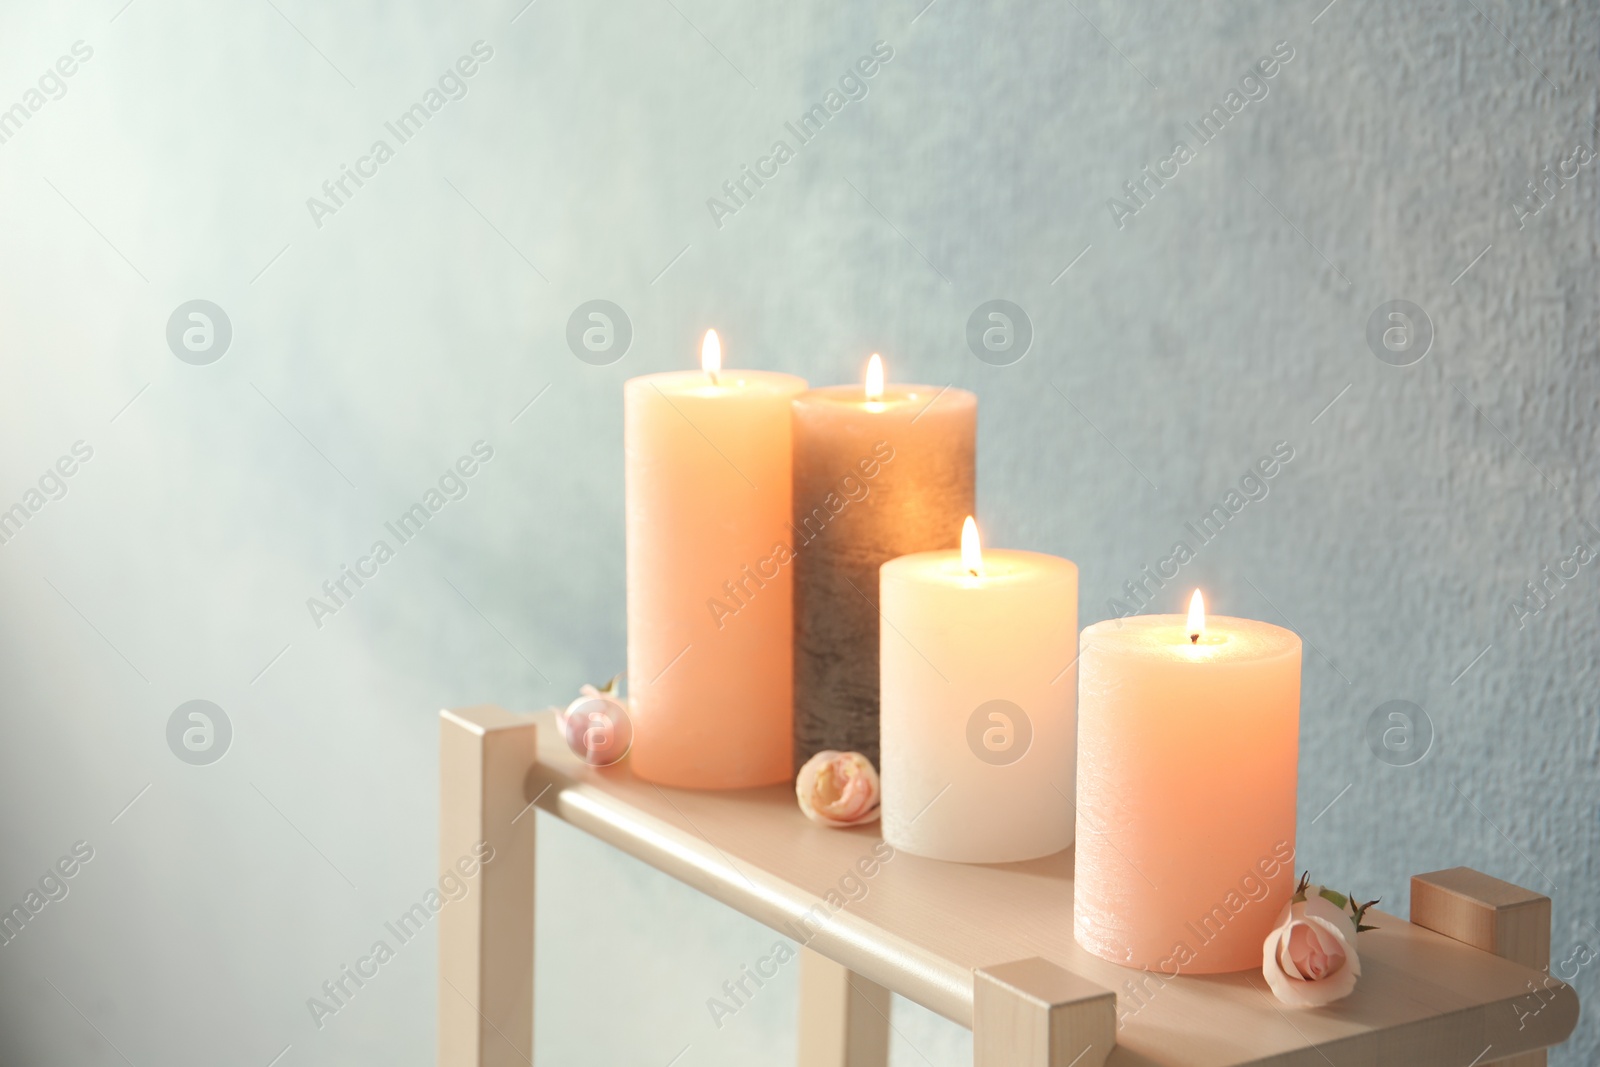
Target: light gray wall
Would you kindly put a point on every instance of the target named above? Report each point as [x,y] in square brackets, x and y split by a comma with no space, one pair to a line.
[372,351]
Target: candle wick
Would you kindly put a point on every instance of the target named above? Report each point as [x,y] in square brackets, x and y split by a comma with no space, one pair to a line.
[1194,639]
[713,375]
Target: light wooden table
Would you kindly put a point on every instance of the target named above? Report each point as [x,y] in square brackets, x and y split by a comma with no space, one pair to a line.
[988,947]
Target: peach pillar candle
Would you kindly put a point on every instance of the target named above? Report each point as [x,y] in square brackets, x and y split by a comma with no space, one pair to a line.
[707,458]
[979,693]
[1188,735]
[879,471]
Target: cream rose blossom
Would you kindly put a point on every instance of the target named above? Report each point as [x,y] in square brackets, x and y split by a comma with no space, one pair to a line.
[1310,958]
[838,789]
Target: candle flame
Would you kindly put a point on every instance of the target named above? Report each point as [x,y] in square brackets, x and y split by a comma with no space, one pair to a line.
[875,377]
[711,354]
[971,551]
[1197,617]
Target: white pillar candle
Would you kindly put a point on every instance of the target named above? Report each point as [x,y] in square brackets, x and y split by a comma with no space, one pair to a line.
[1186,789]
[707,458]
[979,693]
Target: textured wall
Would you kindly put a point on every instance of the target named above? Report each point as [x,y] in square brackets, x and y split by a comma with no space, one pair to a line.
[372,345]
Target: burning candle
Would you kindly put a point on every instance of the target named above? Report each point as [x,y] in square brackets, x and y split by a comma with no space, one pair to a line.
[707,474]
[879,471]
[1188,735]
[979,692]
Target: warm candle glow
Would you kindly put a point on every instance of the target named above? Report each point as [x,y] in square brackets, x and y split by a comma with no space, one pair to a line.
[711,354]
[1197,618]
[875,377]
[971,552]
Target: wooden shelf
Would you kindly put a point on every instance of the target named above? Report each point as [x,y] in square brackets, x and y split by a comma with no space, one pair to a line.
[922,928]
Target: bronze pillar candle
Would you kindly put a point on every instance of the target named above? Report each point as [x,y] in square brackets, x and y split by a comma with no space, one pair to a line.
[878,473]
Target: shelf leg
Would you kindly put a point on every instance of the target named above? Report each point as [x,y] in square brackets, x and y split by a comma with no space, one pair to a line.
[1032,1013]
[844,1018]
[486,936]
[1486,913]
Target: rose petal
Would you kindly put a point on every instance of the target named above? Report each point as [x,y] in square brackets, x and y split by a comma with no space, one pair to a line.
[1338,932]
[1285,957]
[856,795]
[1316,952]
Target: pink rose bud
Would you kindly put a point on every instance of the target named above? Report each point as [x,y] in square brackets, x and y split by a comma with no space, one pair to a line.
[1310,958]
[596,726]
[838,789]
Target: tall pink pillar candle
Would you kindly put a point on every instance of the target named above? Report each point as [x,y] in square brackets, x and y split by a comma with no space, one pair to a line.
[1187,760]
[710,593]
